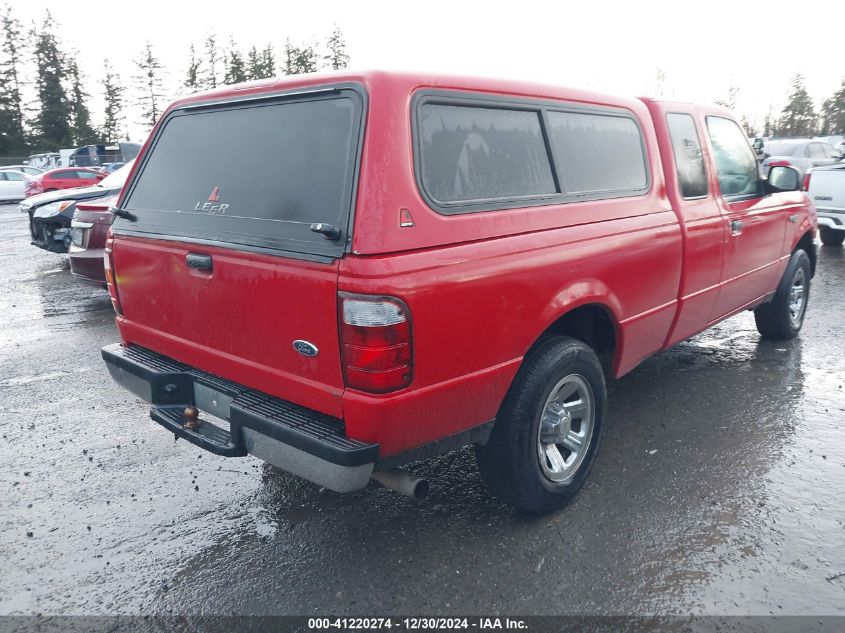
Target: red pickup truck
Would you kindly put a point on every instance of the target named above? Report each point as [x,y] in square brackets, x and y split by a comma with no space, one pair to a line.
[342,274]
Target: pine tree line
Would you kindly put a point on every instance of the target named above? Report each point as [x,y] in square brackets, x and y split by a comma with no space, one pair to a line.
[216,66]
[799,117]
[60,116]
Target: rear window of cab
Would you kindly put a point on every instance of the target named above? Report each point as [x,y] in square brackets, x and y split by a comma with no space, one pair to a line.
[255,173]
[481,154]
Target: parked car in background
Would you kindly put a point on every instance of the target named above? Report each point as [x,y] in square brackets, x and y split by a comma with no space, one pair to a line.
[342,299]
[13,185]
[28,170]
[109,168]
[826,186]
[50,214]
[88,231]
[803,154]
[63,178]
[837,140]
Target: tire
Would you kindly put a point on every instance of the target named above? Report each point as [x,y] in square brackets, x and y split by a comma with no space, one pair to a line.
[783,316]
[510,463]
[830,237]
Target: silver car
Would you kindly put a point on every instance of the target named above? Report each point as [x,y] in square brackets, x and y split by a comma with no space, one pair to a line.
[803,154]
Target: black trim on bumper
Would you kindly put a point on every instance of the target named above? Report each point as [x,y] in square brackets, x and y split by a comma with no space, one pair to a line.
[169,386]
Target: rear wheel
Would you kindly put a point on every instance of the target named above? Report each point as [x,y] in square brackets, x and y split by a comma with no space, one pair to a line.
[783,316]
[548,429]
[830,237]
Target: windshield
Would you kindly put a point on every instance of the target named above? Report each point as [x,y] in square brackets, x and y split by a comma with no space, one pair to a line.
[117,179]
[782,149]
[257,174]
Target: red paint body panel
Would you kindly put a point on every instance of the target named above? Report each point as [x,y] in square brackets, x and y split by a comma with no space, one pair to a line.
[239,320]
[55,180]
[480,287]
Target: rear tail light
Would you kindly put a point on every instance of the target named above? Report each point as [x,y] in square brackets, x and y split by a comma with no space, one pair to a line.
[806,185]
[376,345]
[111,279]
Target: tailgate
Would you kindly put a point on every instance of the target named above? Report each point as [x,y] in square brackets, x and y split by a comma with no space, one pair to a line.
[221,256]
[827,188]
[239,320]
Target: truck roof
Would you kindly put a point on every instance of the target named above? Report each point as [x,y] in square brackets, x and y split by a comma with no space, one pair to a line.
[409,81]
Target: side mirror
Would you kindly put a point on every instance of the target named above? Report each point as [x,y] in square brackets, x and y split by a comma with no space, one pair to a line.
[783,178]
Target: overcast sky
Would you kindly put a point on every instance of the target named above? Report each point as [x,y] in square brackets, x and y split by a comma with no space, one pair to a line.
[702,48]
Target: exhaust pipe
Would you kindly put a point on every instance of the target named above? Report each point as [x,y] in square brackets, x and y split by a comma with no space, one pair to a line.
[403,482]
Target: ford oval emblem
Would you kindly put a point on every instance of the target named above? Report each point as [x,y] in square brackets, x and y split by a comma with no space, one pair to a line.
[305,348]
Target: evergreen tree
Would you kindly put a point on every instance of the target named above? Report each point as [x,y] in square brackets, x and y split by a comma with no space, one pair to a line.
[768,125]
[253,64]
[268,62]
[260,64]
[81,130]
[148,83]
[12,134]
[299,60]
[212,59]
[236,71]
[113,92]
[192,81]
[730,101]
[798,117]
[51,125]
[749,129]
[336,58]
[833,113]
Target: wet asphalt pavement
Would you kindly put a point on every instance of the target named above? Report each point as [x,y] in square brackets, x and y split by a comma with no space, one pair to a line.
[720,489]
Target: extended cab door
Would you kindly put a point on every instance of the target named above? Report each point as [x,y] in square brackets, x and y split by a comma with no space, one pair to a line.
[755,223]
[680,136]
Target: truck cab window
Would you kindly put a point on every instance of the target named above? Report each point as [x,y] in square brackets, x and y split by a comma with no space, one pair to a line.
[736,165]
[689,162]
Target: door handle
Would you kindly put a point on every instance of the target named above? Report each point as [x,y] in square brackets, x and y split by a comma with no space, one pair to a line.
[793,218]
[199,262]
[736,227]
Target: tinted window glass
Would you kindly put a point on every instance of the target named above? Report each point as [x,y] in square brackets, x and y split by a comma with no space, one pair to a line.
[736,165]
[471,153]
[597,152]
[13,175]
[64,174]
[256,175]
[689,162]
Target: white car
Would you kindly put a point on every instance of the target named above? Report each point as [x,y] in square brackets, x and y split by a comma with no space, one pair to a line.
[30,171]
[12,185]
[827,191]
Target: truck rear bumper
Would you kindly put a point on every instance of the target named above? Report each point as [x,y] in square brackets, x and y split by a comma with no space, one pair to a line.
[306,443]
